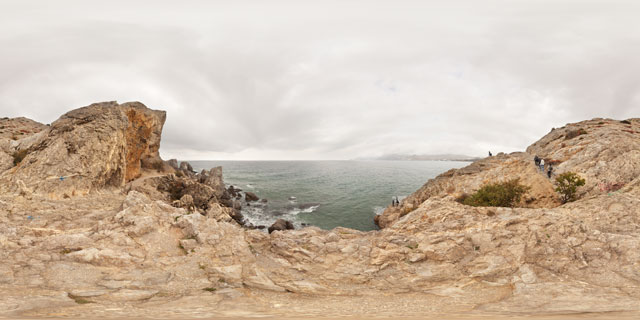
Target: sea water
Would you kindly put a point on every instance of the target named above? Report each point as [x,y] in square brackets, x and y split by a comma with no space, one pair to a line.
[326,194]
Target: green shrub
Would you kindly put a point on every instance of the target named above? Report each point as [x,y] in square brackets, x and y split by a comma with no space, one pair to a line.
[625,121]
[500,194]
[18,156]
[567,184]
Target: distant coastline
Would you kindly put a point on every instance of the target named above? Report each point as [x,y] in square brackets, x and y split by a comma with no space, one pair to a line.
[424,157]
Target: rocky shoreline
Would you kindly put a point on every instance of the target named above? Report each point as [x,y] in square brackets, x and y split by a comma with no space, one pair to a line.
[94,223]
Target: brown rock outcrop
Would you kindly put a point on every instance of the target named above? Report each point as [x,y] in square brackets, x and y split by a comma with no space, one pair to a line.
[281,225]
[250,196]
[98,146]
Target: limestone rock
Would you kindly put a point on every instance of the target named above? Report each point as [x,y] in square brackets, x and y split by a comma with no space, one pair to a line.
[213,179]
[457,182]
[605,153]
[173,163]
[6,161]
[18,128]
[90,148]
[186,166]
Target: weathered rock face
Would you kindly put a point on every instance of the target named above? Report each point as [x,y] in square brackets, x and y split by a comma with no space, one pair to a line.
[143,134]
[19,128]
[101,145]
[456,182]
[13,133]
[146,257]
[213,179]
[603,151]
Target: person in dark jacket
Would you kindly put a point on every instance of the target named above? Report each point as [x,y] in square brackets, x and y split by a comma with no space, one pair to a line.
[549,171]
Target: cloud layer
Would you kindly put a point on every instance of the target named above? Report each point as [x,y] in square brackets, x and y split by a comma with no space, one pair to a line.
[327,79]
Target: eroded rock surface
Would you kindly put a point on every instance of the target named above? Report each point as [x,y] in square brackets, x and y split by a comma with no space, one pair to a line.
[605,152]
[98,146]
[135,252]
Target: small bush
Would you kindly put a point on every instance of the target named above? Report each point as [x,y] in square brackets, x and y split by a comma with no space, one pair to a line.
[461,198]
[567,184]
[209,289]
[18,156]
[500,194]
[625,121]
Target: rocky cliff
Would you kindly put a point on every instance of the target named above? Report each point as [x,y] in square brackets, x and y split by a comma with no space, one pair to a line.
[129,252]
[101,145]
[603,151]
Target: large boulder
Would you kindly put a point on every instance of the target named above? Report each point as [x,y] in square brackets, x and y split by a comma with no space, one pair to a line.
[173,163]
[213,178]
[186,166]
[281,225]
[250,196]
[99,146]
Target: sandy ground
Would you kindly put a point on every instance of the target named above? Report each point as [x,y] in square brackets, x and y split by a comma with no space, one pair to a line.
[263,304]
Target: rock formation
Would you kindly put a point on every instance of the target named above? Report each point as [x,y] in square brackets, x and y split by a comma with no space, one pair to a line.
[98,146]
[605,152]
[281,225]
[131,251]
[250,196]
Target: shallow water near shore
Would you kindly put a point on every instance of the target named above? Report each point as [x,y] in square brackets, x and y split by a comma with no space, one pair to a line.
[326,194]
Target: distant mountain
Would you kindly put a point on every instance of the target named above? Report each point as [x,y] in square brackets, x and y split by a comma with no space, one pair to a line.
[428,157]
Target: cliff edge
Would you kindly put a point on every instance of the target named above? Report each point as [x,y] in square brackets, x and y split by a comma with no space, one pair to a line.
[605,152]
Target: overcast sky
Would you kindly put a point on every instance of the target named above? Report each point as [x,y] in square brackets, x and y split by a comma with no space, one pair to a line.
[327,79]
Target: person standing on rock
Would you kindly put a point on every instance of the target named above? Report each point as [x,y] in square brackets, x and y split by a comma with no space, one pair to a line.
[549,171]
[536,160]
[490,154]
[542,165]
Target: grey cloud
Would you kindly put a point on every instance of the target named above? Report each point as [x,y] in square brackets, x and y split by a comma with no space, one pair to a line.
[331,79]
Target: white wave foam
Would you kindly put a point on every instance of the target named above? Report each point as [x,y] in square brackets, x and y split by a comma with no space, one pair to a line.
[258,214]
[378,210]
[296,211]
